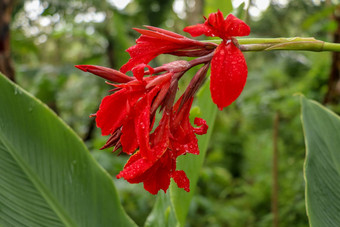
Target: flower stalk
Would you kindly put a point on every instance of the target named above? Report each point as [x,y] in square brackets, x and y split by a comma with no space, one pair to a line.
[293,43]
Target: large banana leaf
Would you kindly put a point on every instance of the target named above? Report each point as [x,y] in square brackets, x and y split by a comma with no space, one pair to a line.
[322,165]
[48,177]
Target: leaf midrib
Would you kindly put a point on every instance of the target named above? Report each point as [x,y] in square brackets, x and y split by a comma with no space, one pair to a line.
[49,198]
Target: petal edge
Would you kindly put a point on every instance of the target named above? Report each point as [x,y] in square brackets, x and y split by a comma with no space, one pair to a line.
[228,74]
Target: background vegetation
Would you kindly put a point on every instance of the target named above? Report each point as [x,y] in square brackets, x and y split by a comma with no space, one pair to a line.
[240,184]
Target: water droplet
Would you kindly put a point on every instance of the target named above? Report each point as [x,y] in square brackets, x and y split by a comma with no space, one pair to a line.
[142,125]
[73,163]
[16,90]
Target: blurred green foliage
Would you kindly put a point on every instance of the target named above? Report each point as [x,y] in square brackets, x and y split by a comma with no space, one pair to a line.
[49,37]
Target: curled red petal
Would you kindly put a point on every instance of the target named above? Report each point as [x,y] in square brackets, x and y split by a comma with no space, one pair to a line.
[228,74]
[203,126]
[138,71]
[181,180]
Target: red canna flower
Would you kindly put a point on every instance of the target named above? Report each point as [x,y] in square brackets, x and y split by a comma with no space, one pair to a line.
[128,114]
[228,66]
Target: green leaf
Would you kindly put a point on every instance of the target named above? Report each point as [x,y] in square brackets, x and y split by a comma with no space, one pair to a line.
[48,177]
[162,213]
[322,164]
[192,164]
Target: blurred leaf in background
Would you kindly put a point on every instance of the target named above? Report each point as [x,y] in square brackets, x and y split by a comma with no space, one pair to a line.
[322,166]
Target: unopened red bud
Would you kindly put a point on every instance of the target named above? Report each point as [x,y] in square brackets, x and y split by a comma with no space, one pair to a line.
[106,73]
[159,80]
[194,84]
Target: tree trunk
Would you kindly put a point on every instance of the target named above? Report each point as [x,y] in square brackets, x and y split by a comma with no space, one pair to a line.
[6,66]
[195,12]
[333,92]
[275,171]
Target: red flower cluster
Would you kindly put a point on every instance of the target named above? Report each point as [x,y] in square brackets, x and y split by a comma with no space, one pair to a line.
[128,114]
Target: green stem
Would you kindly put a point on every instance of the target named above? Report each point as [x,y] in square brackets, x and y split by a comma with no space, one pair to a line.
[294,43]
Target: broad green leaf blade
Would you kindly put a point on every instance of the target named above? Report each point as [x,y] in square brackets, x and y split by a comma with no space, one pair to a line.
[192,164]
[322,165]
[48,177]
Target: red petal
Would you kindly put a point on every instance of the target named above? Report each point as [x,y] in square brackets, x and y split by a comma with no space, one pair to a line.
[228,74]
[138,71]
[142,132]
[159,35]
[181,180]
[112,111]
[236,27]
[159,174]
[216,21]
[180,115]
[147,48]
[160,179]
[215,25]
[135,170]
[143,52]
[136,128]
[198,29]
[142,123]
[153,43]
[184,139]
[128,137]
